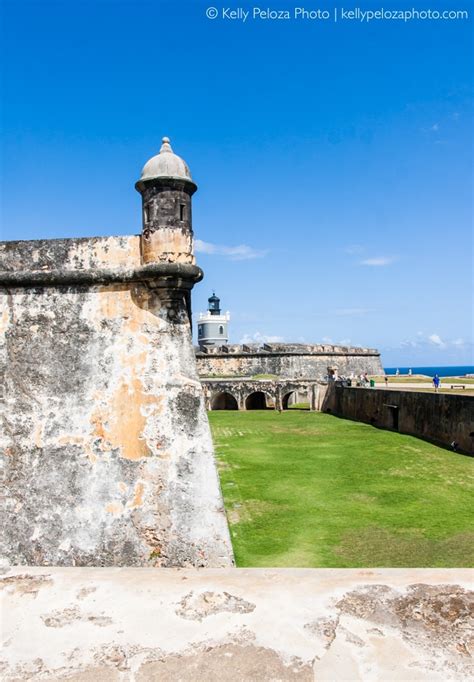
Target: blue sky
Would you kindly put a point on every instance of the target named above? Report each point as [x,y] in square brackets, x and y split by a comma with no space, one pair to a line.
[334,160]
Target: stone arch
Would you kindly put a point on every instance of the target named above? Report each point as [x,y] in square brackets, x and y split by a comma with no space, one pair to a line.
[301,392]
[224,401]
[286,398]
[257,400]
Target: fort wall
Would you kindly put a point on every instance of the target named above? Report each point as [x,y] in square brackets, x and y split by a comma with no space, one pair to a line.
[287,360]
[108,454]
[437,417]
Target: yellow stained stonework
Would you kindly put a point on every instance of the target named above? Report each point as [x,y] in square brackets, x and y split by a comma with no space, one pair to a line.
[110,457]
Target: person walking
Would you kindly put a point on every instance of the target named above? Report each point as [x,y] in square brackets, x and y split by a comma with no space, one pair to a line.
[436,383]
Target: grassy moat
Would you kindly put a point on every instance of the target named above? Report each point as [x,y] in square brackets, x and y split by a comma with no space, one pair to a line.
[308,489]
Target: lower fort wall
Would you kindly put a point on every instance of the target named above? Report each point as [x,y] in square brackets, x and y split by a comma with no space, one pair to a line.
[108,453]
[240,394]
[289,365]
[436,417]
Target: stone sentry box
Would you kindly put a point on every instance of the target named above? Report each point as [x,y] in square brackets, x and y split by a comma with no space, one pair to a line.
[108,454]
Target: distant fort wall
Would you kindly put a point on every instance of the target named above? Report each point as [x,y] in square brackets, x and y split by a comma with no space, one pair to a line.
[294,361]
[436,417]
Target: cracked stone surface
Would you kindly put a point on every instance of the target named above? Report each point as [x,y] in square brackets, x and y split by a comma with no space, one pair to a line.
[199,606]
[235,625]
[61,618]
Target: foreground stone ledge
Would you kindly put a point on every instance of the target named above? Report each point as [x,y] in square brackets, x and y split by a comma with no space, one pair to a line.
[181,272]
[142,624]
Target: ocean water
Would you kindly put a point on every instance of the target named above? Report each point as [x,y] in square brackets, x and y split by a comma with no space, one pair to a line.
[457,371]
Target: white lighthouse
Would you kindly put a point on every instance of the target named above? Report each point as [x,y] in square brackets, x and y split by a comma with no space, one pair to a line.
[212,326]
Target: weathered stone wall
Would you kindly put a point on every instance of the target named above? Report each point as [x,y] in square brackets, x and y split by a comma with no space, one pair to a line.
[289,361]
[437,417]
[108,453]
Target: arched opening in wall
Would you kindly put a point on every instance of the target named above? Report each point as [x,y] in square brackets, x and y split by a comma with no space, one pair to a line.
[294,401]
[224,401]
[288,399]
[256,401]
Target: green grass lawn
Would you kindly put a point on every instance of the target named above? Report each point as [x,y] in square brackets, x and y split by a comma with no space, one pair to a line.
[404,379]
[310,490]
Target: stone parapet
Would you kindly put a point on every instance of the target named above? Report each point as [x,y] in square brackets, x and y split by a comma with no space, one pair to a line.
[285,349]
[298,625]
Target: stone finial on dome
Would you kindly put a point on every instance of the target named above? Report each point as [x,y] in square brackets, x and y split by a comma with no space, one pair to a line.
[166,164]
[166,146]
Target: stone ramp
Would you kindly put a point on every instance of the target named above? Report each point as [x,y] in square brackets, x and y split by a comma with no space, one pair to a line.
[144,624]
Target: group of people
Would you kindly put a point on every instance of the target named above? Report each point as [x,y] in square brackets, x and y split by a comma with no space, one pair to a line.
[364,381]
[361,380]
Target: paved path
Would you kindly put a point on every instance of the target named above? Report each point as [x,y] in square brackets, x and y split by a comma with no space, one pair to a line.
[412,386]
[381,384]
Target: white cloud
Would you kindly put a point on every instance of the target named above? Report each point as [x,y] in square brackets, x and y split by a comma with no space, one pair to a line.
[409,344]
[378,261]
[436,340]
[240,252]
[327,339]
[423,342]
[434,128]
[258,337]
[354,249]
